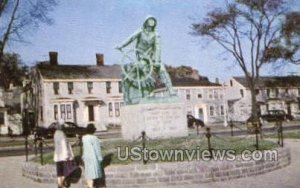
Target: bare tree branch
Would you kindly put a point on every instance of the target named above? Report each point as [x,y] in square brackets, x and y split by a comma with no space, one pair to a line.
[9,28]
[257,23]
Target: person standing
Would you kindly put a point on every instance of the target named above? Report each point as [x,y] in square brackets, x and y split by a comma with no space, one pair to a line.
[62,153]
[91,156]
[147,48]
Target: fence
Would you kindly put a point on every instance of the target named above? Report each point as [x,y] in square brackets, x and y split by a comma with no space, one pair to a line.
[240,132]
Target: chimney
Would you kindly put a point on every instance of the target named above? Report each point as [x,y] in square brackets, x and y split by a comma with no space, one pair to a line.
[100,59]
[53,58]
[217,81]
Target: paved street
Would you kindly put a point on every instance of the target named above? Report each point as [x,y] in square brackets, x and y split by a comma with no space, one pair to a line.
[11,175]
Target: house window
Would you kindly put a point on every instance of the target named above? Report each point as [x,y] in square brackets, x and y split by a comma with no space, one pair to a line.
[199,95]
[215,94]
[70,87]
[1,118]
[286,91]
[242,92]
[231,83]
[222,110]
[55,112]
[268,92]
[256,91]
[56,87]
[110,109]
[277,92]
[63,111]
[188,94]
[41,113]
[69,112]
[211,110]
[120,87]
[210,94]
[108,87]
[91,113]
[90,87]
[117,109]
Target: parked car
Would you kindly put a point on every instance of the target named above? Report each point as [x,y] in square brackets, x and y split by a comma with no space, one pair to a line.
[191,120]
[70,129]
[275,115]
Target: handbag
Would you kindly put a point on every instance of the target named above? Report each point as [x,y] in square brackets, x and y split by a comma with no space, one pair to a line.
[72,172]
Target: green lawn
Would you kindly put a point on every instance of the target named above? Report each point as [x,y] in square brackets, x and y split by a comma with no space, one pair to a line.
[12,143]
[187,143]
[286,135]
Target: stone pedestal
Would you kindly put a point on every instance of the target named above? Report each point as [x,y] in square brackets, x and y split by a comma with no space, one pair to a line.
[162,120]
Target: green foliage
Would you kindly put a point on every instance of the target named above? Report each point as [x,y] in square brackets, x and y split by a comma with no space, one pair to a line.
[286,135]
[12,70]
[185,143]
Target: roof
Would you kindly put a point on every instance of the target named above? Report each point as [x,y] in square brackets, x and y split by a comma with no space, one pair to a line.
[186,81]
[79,71]
[107,72]
[275,81]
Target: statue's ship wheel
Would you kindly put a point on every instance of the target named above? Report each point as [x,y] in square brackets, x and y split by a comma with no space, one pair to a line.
[137,71]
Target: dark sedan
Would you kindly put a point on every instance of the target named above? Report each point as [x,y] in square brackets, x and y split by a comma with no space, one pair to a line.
[191,120]
[70,129]
[276,115]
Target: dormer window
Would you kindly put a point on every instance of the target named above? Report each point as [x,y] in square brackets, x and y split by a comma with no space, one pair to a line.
[90,87]
[70,87]
[56,88]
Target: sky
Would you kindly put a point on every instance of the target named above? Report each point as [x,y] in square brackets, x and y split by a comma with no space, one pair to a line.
[83,28]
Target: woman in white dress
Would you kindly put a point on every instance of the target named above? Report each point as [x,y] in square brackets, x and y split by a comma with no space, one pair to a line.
[62,152]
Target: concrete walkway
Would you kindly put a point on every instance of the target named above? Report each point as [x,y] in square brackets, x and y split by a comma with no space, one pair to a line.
[288,177]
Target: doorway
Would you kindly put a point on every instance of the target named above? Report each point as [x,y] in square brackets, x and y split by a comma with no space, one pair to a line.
[200,114]
[91,113]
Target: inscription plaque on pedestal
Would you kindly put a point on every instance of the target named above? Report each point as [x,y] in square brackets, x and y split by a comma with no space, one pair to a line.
[162,120]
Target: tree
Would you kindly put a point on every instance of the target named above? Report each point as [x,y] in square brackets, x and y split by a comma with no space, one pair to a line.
[254,33]
[12,70]
[288,48]
[19,16]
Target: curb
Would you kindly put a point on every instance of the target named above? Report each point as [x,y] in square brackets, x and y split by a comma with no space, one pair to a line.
[170,173]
